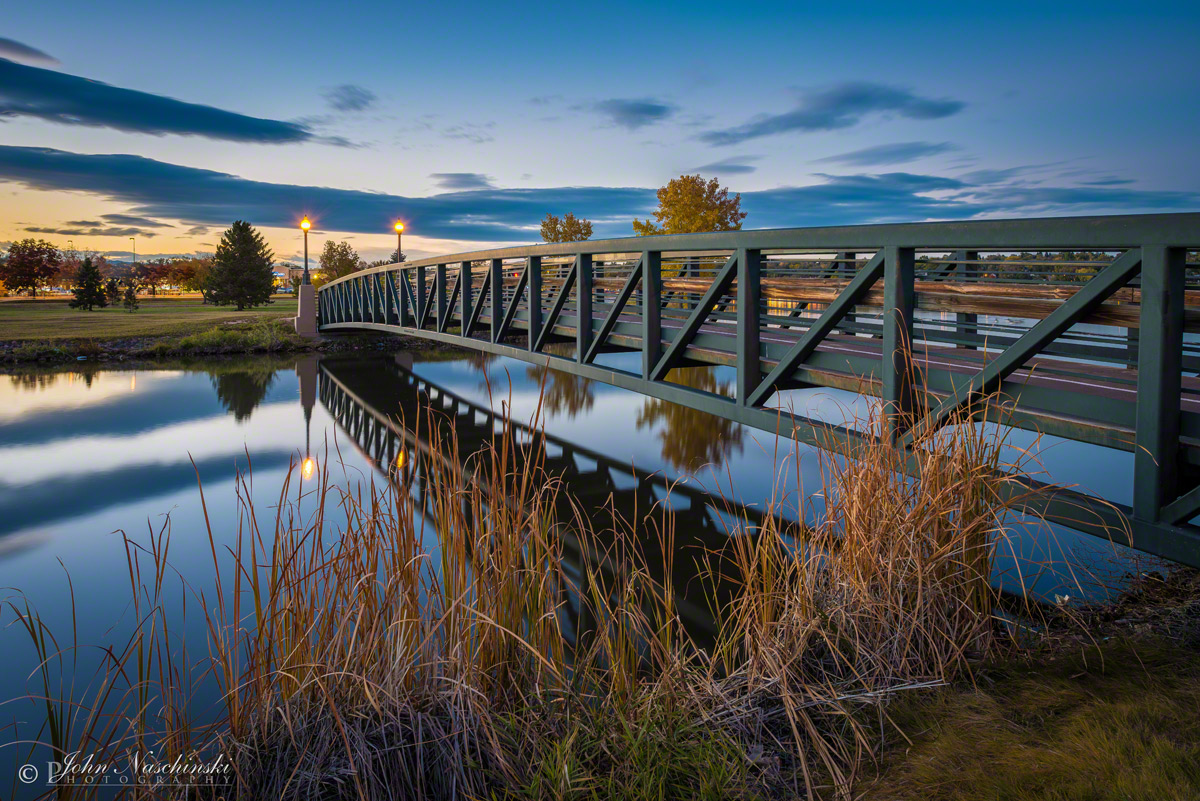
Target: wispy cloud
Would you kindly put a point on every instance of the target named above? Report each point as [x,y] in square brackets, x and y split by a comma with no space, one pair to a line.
[350,97]
[132,219]
[462,181]
[896,153]
[635,113]
[734,165]
[476,133]
[27,91]
[158,190]
[837,107]
[69,230]
[18,51]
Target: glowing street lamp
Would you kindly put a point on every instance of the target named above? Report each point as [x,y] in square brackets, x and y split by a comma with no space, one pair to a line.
[304,226]
[399,234]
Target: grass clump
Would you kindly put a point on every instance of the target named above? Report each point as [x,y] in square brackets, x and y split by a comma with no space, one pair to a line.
[262,336]
[470,630]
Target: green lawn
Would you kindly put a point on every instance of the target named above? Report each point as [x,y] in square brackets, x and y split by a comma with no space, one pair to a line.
[1117,722]
[54,320]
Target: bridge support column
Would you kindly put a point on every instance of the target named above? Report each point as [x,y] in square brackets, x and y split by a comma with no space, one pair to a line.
[306,317]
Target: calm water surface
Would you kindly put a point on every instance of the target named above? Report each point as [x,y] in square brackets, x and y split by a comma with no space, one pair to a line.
[88,453]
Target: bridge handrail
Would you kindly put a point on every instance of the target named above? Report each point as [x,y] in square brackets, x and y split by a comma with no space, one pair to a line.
[1105,232]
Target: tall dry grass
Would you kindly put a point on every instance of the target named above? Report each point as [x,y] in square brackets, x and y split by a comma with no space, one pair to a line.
[401,640]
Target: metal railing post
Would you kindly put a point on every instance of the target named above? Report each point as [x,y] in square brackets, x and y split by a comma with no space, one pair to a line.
[749,293]
[651,310]
[422,301]
[583,305]
[534,267]
[966,324]
[440,289]
[464,296]
[898,306]
[496,276]
[402,291]
[1160,356]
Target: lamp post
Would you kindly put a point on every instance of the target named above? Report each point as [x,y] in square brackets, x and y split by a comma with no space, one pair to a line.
[134,246]
[399,241]
[304,226]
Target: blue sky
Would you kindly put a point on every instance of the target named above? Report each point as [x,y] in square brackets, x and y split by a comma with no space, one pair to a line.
[470,121]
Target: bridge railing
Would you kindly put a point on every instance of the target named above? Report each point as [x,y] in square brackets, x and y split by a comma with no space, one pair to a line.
[1088,323]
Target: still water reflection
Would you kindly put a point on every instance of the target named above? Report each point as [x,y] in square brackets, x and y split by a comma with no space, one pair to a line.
[86,454]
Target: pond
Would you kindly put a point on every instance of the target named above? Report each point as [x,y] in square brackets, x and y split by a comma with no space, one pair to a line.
[89,452]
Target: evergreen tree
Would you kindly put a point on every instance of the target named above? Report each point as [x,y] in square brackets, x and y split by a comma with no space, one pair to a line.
[112,291]
[241,268]
[89,287]
[131,301]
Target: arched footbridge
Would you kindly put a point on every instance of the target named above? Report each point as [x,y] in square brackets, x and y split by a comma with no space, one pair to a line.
[1087,324]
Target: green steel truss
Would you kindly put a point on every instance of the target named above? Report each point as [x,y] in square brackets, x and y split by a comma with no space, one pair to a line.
[1098,355]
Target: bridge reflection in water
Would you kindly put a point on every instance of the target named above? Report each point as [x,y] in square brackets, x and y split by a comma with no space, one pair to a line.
[378,403]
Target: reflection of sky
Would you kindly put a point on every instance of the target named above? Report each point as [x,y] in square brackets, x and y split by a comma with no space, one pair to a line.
[115,457]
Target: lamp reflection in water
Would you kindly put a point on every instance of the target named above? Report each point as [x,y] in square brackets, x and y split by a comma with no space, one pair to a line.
[308,467]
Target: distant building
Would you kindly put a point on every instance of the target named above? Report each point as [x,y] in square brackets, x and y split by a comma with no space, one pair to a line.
[286,275]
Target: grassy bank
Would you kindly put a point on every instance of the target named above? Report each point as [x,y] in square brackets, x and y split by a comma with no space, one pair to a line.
[534,655]
[1105,704]
[49,321]
[49,332]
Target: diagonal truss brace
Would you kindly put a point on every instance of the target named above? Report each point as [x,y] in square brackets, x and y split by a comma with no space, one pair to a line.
[716,289]
[1033,341]
[610,320]
[556,308]
[841,306]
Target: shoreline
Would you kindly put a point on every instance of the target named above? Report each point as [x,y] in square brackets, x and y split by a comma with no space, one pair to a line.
[265,338]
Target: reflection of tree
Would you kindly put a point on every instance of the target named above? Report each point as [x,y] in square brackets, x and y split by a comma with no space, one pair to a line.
[564,393]
[33,382]
[691,438]
[242,390]
[480,359]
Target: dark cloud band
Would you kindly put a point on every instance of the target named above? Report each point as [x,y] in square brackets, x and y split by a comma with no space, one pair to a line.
[27,91]
[158,190]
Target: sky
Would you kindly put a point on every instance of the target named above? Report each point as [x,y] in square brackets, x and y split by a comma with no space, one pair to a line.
[470,121]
